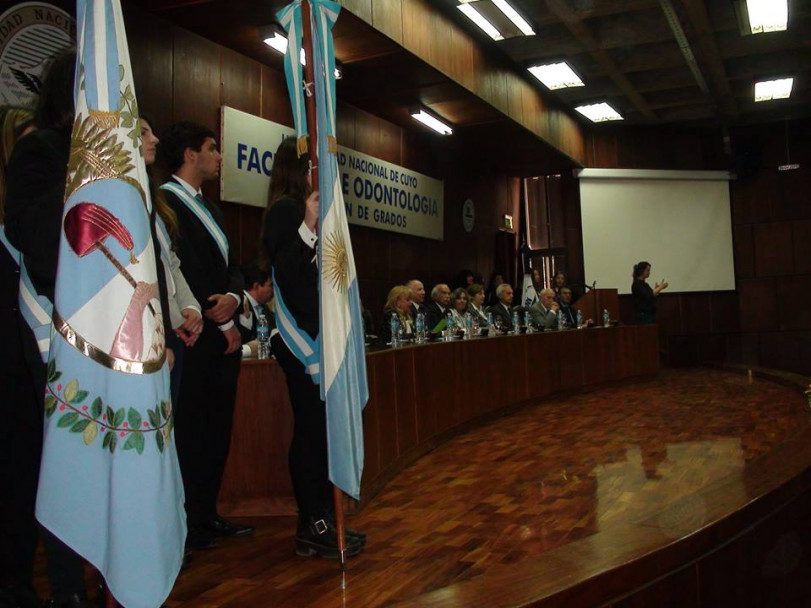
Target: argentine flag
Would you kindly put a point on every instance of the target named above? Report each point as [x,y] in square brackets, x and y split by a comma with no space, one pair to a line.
[341,339]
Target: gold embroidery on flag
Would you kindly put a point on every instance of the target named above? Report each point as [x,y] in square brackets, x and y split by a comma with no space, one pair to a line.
[336,262]
[102,358]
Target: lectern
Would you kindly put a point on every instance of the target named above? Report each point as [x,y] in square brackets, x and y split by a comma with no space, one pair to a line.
[595,301]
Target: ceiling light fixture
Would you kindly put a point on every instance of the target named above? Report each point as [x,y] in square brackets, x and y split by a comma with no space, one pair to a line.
[476,17]
[767,15]
[513,16]
[599,112]
[556,75]
[773,89]
[430,121]
[278,42]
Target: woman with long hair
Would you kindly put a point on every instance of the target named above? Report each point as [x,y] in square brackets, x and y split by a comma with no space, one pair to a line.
[398,304]
[185,321]
[288,241]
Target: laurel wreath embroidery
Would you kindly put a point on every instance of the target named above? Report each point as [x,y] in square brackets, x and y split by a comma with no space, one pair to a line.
[122,424]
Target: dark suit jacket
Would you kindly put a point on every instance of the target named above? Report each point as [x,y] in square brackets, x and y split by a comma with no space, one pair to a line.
[569,315]
[501,314]
[204,268]
[292,261]
[418,308]
[34,203]
[434,315]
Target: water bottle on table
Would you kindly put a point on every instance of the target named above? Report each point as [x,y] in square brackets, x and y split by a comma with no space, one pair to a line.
[395,331]
[579,319]
[606,318]
[420,328]
[262,337]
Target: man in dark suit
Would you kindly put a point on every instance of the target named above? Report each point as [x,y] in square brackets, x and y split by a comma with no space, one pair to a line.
[204,412]
[569,313]
[417,297]
[258,292]
[436,310]
[502,311]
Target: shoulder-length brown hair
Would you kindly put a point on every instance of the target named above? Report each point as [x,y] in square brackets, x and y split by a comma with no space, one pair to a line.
[288,177]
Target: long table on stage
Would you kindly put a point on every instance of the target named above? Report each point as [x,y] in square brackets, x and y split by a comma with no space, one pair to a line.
[419,397]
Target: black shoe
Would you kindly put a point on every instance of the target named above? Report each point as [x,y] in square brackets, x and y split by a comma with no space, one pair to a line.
[220,527]
[349,532]
[198,540]
[317,536]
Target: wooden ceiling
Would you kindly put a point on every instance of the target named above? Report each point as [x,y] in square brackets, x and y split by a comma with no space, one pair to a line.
[626,52]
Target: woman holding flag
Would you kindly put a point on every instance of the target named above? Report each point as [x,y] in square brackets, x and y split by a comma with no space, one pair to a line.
[289,242]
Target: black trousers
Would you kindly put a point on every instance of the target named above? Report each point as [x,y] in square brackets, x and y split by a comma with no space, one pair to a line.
[204,416]
[308,450]
[20,451]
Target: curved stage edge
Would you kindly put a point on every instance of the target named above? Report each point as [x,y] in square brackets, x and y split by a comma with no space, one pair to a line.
[419,397]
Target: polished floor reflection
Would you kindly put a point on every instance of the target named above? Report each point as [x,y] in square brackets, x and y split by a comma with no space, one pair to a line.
[517,487]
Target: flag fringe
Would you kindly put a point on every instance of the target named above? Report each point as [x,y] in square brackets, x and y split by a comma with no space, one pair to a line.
[302,145]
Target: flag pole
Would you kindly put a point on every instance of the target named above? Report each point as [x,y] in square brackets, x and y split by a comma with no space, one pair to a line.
[312,128]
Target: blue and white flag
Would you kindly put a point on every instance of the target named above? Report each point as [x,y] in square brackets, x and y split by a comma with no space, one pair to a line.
[340,340]
[110,484]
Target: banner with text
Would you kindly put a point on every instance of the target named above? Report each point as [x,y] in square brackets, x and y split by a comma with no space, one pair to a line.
[377,194]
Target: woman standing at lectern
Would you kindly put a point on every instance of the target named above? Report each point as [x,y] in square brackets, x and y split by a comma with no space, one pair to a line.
[644,297]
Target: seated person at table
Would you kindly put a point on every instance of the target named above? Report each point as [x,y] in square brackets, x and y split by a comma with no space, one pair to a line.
[254,304]
[569,313]
[544,313]
[502,311]
[558,283]
[398,304]
[417,297]
[436,310]
[476,297]
[459,300]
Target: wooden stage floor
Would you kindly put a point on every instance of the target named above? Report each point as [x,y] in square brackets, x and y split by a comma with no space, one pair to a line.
[497,497]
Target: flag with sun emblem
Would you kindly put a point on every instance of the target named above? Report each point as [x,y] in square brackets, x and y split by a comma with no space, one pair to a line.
[341,339]
[110,484]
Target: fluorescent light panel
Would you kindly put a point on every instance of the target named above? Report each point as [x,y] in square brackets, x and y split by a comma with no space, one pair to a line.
[773,89]
[278,42]
[556,75]
[431,122]
[476,17]
[767,15]
[599,112]
[513,16]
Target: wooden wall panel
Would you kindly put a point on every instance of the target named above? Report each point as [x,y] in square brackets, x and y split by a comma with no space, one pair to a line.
[152,67]
[794,302]
[758,305]
[241,82]
[387,17]
[774,253]
[801,238]
[196,79]
[744,244]
[275,100]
